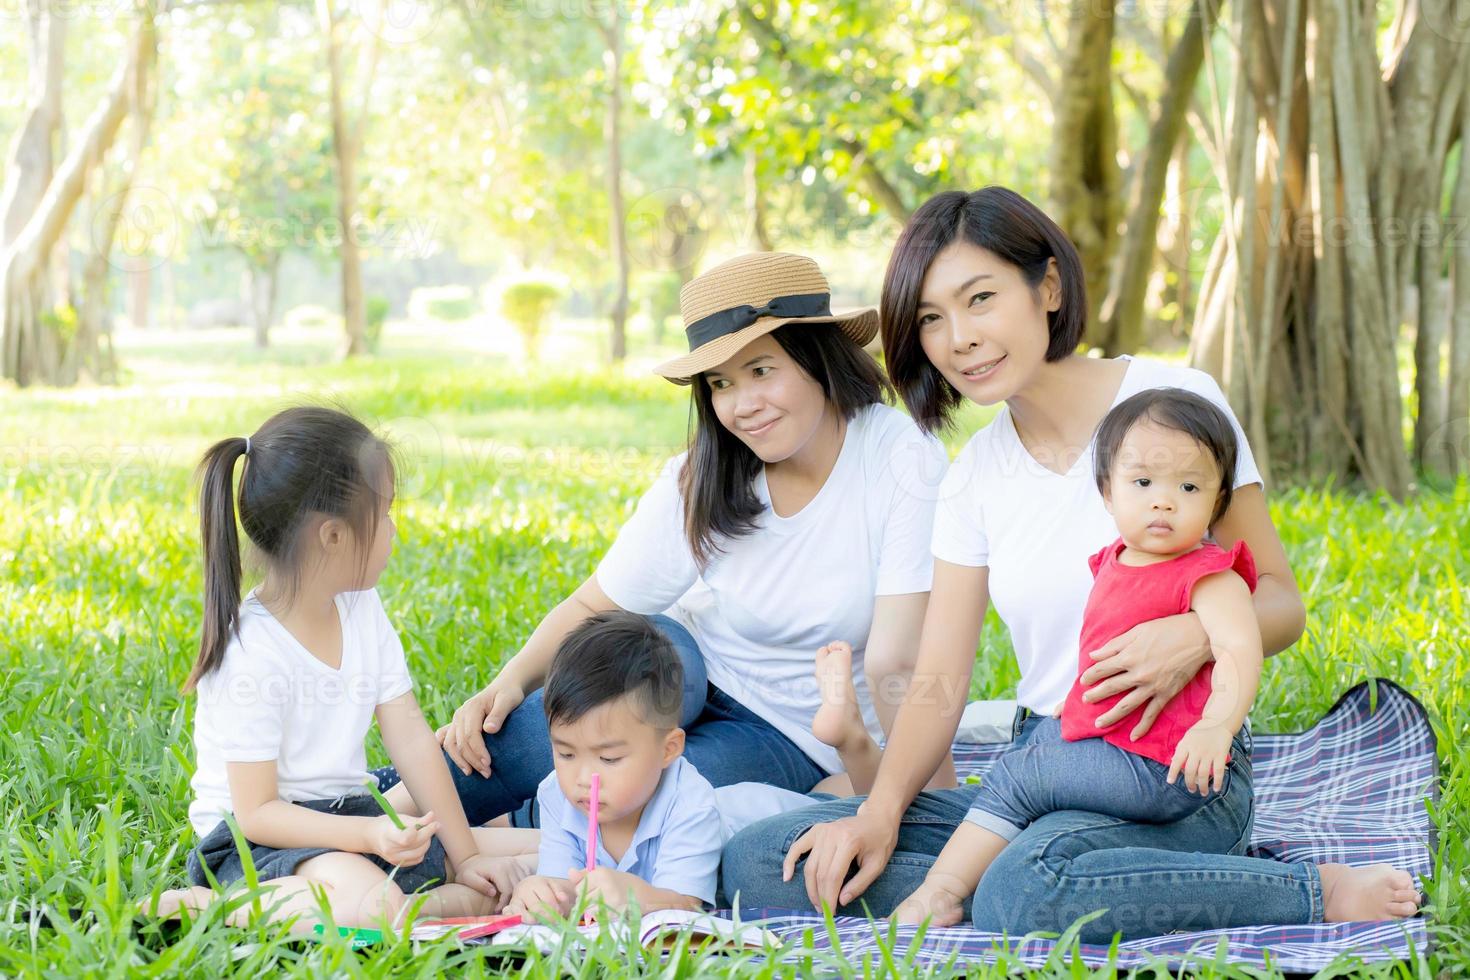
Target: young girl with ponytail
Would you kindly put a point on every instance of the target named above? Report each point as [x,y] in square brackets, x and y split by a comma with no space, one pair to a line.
[289,680]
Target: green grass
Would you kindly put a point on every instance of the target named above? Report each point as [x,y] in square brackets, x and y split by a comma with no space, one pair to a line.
[514,485]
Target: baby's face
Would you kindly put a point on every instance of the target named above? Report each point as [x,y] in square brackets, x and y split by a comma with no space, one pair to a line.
[1162,489]
[628,753]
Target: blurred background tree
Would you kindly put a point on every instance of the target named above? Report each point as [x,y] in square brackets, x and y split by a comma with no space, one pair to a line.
[1273,189]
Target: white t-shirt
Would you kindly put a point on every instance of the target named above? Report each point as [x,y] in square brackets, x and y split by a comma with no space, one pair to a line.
[1035,529]
[763,607]
[271,699]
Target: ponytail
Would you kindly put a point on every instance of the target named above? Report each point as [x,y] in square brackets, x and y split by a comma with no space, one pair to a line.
[302,463]
[221,543]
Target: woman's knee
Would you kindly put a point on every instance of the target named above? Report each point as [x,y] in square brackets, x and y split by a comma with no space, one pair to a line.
[1003,901]
[752,860]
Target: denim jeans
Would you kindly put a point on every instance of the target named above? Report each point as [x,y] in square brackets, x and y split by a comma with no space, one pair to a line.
[1149,879]
[726,741]
[1047,773]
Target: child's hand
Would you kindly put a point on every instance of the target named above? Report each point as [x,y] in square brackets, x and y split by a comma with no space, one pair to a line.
[612,886]
[1200,758]
[494,877]
[403,848]
[542,895]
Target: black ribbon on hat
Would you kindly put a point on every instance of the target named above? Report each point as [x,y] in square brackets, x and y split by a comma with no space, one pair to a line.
[707,328]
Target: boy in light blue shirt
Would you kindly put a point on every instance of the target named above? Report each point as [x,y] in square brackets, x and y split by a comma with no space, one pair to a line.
[612,698]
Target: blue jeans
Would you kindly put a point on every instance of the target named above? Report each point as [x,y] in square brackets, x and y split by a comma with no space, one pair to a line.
[1047,773]
[1149,879]
[726,741]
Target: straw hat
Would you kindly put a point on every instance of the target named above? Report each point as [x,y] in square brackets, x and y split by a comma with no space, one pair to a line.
[748,297]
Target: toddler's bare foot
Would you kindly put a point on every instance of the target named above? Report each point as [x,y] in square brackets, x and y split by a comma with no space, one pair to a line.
[1378,891]
[931,899]
[838,722]
[172,901]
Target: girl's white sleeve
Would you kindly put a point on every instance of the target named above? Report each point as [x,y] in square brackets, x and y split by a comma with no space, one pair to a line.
[245,704]
[393,679]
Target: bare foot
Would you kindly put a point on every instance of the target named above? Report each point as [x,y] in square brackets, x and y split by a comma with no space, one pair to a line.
[175,899]
[1378,891]
[838,721]
[931,899]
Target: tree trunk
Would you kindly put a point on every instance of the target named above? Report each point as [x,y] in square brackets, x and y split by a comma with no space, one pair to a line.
[613,132]
[140,286]
[1456,433]
[1084,172]
[1121,326]
[261,280]
[346,142]
[31,351]
[1323,202]
[755,204]
[32,153]
[91,353]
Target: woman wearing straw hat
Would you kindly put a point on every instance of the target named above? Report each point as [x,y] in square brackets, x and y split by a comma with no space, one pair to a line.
[800,515]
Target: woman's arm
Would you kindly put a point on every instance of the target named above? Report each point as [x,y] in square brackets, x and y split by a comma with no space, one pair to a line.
[485,711]
[888,662]
[922,734]
[1280,612]
[937,693]
[1153,661]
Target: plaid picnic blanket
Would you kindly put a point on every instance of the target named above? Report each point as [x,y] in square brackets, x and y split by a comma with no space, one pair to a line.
[1350,790]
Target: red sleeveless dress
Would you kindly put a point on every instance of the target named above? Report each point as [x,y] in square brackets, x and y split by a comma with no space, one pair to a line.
[1122,597]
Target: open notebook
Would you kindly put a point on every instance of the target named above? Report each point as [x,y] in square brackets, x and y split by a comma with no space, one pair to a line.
[656,929]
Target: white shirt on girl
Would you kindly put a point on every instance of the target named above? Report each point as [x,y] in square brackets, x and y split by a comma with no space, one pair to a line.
[272,699]
[1035,529]
[762,609]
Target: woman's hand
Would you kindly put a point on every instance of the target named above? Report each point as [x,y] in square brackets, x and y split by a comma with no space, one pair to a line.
[495,877]
[464,737]
[830,849]
[402,848]
[1151,662]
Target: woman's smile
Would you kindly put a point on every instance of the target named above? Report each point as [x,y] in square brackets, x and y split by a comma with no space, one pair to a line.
[762,430]
[981,371]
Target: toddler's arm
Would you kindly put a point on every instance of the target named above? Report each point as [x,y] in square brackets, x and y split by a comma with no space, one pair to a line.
[1225,609]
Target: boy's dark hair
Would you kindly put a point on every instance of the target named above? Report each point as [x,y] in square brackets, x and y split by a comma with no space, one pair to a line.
[1180,410]
[717,482]
[304,462]
[1011,228]
[609,656]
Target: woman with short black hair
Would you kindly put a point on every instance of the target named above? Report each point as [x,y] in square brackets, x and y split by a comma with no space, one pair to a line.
[984,302]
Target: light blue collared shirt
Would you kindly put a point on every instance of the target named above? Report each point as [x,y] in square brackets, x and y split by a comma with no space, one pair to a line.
[676,846]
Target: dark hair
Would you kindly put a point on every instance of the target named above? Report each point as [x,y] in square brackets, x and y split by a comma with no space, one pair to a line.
[609,656]
[303,462]
[717,482]
[1003,223]
[1180,410]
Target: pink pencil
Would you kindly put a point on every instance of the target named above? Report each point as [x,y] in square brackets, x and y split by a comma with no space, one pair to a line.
[592,832]
[592,822]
